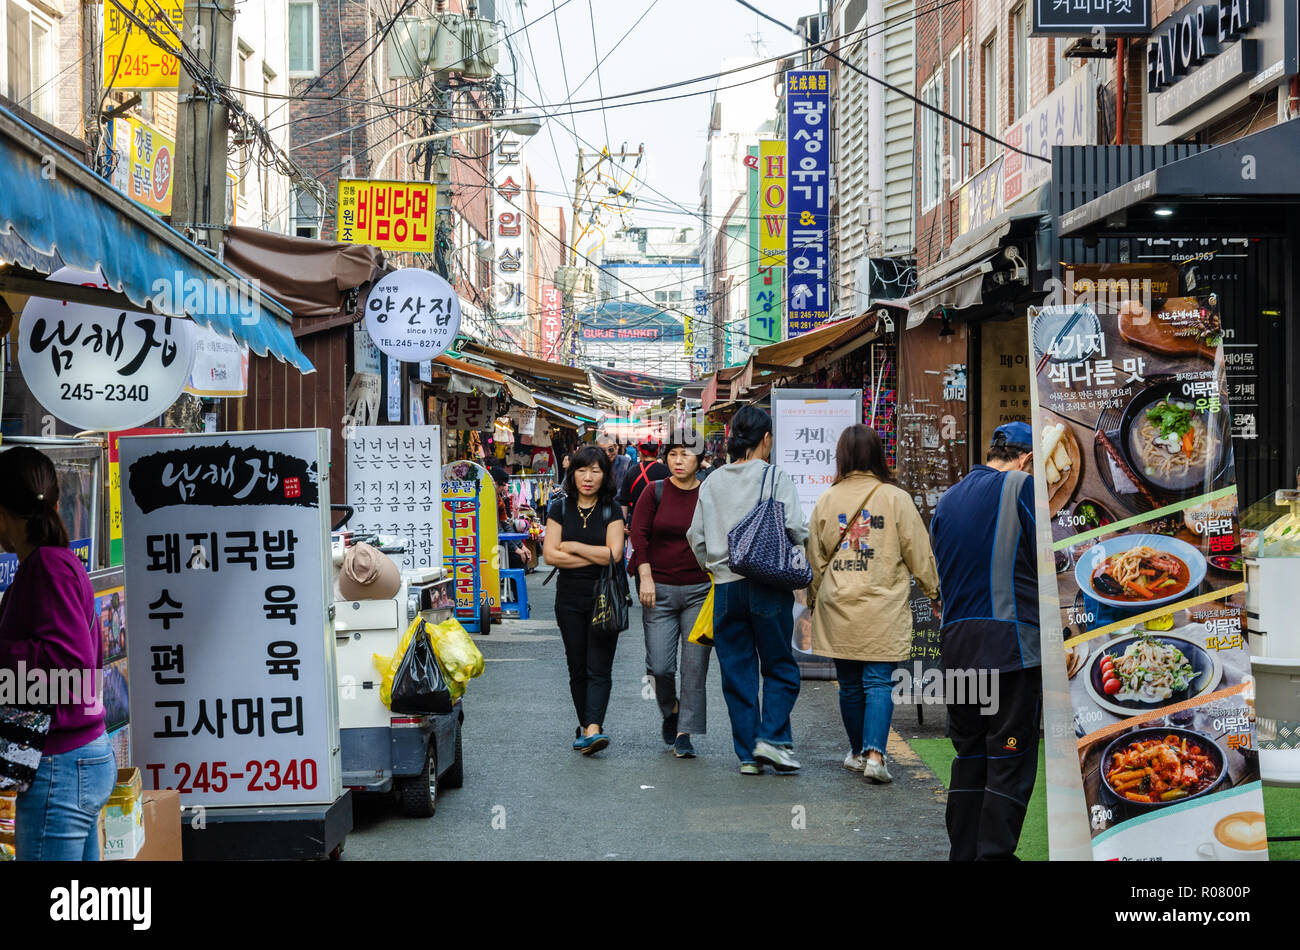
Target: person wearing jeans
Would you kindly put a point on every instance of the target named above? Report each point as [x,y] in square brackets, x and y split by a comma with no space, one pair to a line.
[48,623]
[866,542]
[672,589]
[752,623]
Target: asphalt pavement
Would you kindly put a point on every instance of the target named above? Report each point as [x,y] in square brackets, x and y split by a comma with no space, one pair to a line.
[528,795]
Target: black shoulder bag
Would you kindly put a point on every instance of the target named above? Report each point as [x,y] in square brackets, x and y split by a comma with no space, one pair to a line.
[612,596]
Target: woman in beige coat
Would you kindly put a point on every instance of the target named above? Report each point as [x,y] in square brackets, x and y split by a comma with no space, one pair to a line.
[866,541]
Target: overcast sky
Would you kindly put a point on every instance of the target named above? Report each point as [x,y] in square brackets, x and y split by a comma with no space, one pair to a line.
[678,39]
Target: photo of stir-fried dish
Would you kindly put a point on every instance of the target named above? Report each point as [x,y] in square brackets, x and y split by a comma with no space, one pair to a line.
[1141,573]
[1155,771]
[1172,445]
[1148,671]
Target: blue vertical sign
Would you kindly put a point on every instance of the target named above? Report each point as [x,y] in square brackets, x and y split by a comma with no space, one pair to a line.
[702,332]
[807,121]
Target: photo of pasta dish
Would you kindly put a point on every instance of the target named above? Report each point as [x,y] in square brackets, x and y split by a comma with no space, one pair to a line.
[1148,671]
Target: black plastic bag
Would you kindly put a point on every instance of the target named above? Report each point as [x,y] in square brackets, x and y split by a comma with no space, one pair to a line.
[418,685]
[613,598]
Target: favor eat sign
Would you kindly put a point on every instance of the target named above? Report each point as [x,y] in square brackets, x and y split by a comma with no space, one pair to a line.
[100,368]
[412,315]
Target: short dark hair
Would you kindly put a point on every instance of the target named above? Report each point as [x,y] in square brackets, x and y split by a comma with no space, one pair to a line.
[585,456]
[747,431]
[1007,452]
[29,490]
[860,450]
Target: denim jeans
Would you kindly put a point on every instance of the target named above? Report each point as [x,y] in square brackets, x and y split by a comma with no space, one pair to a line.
[667,624]
[58,817]
[752,627]
[866,703]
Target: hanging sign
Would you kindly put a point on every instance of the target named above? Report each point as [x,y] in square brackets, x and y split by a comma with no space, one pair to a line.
[131,58]
[806,426]
[551,323]
[1091,17]
[764,279]
[412,315]
[220,366]
[393,405]
[390,215]
[511,267]
[808,108]
[1134,460]
[771,202]
[142,159]
[365,355]
[100,368]
[394,485]
[233,696]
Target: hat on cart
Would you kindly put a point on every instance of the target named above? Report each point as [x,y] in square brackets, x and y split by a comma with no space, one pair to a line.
[368,574]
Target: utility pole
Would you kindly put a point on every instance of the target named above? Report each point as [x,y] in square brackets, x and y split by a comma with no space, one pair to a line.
[199,192]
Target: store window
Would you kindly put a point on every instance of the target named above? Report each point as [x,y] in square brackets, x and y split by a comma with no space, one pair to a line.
[958,108]
[989,57]
[29,59]
[931,142]
[1061,66]
[304,45]
[1019,63]
[241,80]
[306,214]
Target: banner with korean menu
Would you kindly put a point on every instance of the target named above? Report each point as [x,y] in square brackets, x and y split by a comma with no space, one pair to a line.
[1135,461]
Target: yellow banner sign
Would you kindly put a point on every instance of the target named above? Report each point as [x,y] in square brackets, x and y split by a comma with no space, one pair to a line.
[771,202]
[390,215]
[142,164]
[132,60]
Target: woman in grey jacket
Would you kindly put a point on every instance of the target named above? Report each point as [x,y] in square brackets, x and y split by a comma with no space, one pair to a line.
[752,623]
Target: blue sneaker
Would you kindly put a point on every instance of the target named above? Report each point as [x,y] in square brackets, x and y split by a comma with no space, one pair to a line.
[589,745]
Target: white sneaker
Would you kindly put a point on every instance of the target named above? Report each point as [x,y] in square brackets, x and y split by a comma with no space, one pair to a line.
[780,759]
[875,771]
[855,762]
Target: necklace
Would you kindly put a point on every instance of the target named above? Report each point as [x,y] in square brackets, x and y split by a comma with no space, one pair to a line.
[585,515]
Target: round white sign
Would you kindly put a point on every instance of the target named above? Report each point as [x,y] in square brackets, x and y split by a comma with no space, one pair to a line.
[99,368]
[412,315]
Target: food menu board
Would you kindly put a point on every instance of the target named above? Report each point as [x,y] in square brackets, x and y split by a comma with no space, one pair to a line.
[1135,459]
[806,428]
[394,487]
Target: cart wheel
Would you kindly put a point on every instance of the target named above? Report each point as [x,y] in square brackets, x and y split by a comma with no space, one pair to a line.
[484,618]
[338,850]
[455,776]
[419,794]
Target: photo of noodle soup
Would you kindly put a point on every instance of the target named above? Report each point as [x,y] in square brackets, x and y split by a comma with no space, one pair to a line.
[1170,443]
[1140,571]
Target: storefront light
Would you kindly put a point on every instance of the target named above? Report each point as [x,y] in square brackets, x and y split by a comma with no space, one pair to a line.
[1164,212]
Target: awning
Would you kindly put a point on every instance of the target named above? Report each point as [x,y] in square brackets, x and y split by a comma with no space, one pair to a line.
[312,278]
[1260,168]
[538,369]
[587,413]
[796,353]
[957,281]
[520,393]
[91,225]
[467,378]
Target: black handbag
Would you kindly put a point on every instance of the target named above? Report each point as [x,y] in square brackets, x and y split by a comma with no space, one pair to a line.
[418,685]
[612,601]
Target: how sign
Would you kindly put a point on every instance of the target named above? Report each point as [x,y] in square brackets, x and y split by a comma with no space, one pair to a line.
[806,426]
[394,487]
[1092,17]
[469,511]
[390,215]
[1067,117]
[412,315]
[99,368]
[233,696]
[764,279]
[808,109]
[771,201]
[131,58]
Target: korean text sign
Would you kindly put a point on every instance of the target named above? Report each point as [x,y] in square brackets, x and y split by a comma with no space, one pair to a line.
[233,686]
[391,215]
[412,315]
[807,101]
[395,487]
[771,200]
[509,234]
[142,163]
[806,426]
[131,59]
[765,297]
[698,332]
[552,322]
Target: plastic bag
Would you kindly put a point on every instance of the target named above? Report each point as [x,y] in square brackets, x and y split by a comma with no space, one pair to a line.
[460,657]
[419,686]
[387,665]
[702,631]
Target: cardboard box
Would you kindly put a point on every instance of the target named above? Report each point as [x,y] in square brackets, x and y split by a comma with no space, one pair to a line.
[123,818]
[162,826]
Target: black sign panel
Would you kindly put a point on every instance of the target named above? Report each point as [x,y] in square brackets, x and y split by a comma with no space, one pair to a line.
[1092,17]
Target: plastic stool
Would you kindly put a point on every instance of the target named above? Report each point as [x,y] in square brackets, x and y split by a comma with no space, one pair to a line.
[518,606]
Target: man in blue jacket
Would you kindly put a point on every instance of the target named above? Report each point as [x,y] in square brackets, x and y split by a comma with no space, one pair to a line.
[983,533]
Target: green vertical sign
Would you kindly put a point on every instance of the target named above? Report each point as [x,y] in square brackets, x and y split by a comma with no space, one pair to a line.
[766,295]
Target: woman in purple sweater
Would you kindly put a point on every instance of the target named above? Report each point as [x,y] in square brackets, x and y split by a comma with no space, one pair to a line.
[47,622]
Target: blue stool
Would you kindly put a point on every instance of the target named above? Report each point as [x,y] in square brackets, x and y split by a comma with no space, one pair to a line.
[518,606]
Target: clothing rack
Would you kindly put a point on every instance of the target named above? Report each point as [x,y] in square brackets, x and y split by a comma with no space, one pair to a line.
[533,491]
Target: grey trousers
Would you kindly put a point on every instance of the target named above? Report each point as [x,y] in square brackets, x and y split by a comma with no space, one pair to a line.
[667,624]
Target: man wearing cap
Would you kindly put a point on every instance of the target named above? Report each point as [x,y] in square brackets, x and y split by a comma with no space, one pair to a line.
[984,540]
[646,472]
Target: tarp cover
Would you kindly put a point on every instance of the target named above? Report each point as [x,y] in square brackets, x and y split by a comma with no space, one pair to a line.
[312,278]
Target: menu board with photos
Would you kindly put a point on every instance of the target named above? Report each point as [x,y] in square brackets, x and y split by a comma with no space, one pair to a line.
[1135,461]
[395,488]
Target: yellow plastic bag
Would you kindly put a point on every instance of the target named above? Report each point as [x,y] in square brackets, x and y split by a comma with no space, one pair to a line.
[702,632]
[387,665]
[460,657]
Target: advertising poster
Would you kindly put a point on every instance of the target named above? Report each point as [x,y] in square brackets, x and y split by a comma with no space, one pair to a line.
[110,605]
[233,698]
[1135,462]
[394,480]
[469,531]
[808,111]
[220,369]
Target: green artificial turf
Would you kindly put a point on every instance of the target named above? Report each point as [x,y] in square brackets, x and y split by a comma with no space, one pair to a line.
[1281,806]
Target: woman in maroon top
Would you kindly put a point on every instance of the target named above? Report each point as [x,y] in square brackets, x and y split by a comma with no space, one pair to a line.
[48,622]
[672,589]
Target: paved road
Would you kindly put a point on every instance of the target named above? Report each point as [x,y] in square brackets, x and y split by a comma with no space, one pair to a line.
[527,795]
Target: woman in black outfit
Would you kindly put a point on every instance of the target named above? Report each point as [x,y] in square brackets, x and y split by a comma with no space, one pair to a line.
[584,532]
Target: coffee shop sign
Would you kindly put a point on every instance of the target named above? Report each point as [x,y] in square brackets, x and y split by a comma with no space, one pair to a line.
[1194,35]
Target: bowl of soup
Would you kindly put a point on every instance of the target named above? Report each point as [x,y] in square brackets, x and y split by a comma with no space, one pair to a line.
[1172,440]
